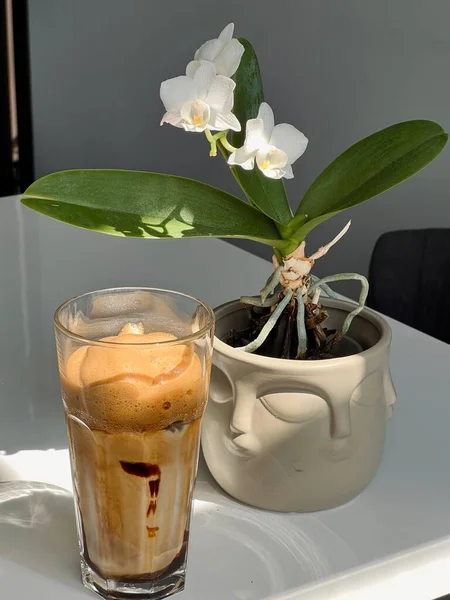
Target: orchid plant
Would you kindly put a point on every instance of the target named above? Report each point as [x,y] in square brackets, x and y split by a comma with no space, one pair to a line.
[221,95]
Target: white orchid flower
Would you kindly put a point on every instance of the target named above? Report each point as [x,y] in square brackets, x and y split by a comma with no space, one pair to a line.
[201,102]
[274,147]
[225,53]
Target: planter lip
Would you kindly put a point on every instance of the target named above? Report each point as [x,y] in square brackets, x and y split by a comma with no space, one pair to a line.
[255,359]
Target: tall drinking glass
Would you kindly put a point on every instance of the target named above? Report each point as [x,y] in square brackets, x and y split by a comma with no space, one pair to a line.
[134,366]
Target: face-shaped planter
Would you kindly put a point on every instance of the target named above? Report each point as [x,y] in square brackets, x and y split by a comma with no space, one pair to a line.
[298,435]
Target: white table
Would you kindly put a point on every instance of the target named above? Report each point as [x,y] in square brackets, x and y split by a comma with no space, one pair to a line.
[393,541]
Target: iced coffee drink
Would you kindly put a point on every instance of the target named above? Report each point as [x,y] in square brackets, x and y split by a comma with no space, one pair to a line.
[133,403]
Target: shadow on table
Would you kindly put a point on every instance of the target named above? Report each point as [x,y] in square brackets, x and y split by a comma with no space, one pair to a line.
[37,530]
[261,553]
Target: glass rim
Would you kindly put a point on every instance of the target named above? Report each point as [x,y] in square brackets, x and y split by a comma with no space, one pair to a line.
[185,339]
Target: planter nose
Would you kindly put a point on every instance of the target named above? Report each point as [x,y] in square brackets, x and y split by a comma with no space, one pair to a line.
[241,420]
[389,392]
[340,415]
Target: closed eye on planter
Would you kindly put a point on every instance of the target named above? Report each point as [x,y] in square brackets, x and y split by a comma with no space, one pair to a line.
[294,407]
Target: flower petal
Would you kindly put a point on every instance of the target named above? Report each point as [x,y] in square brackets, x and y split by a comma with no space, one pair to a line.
[254,137]
[266,114]
[220,95]
[173,118]
[288,172]
[208,51]
[192,68]
[273,173]
[242,159]
[226,35]
[176,91]
[222,121]
[195,128]
[290,140]
[229,58]
[203,78]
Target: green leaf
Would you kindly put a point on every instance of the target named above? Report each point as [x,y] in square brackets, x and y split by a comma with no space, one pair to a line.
[249,93]
[147,205]
[373,165]
[300,234]
[268,195]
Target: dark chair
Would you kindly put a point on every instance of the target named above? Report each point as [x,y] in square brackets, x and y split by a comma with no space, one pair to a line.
[409,278]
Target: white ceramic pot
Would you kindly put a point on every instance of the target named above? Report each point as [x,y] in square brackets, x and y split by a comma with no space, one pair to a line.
[292,435]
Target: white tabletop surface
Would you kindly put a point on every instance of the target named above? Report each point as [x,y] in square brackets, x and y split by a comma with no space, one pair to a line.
[391,541]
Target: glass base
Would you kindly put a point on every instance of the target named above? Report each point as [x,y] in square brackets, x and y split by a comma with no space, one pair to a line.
[113,589]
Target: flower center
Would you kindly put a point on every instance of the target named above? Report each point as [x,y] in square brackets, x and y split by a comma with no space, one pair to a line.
[196,113]
[271,158]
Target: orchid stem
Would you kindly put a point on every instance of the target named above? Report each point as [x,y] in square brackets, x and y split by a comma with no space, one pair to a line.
[213,141]
[225,143]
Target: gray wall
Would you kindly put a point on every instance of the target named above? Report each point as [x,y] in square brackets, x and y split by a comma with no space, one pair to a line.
[337,69]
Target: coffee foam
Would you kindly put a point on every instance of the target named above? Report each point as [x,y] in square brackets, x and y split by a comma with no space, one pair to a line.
[136,386]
